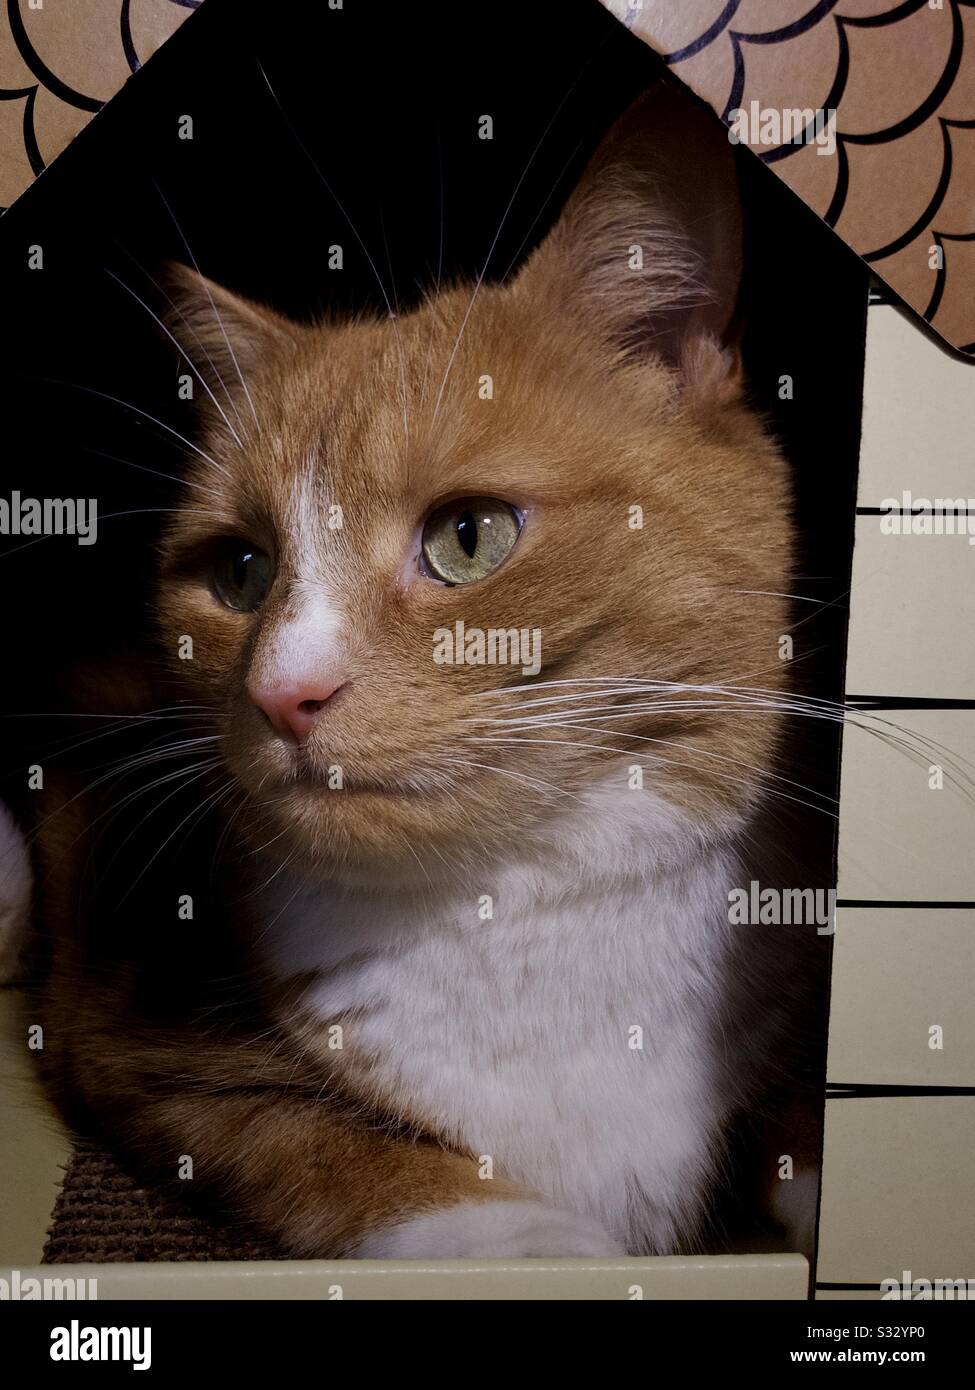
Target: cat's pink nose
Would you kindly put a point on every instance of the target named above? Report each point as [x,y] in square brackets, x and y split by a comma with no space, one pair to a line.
[293,711]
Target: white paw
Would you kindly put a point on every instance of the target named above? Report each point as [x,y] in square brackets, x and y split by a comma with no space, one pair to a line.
[492,1231]
[15,880]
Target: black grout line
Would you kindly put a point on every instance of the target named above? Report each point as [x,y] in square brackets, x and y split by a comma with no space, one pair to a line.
[838,1090]
[903,902]
[915,511]
[849,1288]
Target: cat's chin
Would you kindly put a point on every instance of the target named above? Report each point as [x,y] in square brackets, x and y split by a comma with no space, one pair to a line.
[389,835]
[363,833]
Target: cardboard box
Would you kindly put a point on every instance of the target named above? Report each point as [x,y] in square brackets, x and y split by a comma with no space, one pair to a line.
[884,162]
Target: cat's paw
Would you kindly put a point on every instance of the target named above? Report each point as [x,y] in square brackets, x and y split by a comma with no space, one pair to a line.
[493,1231]
[15,881]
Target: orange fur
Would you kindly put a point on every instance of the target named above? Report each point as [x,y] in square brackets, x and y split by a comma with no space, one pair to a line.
[612,389]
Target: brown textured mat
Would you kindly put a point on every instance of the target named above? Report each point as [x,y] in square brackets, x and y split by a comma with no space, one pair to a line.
[102,1215]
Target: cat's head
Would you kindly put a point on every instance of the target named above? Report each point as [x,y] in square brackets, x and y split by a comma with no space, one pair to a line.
[427,561]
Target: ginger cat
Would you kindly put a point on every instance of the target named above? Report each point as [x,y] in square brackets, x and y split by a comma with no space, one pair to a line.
[469,986]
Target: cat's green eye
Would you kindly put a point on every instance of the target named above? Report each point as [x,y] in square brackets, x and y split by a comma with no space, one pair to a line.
[465,540]
[242,576]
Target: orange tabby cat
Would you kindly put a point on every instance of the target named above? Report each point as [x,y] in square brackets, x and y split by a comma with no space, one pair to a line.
[461,597]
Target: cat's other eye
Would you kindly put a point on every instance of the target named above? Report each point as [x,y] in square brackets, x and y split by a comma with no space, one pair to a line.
[468,538]
[241,576]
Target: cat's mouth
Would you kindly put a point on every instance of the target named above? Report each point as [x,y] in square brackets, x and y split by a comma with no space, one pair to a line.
[304,774]
[313,779]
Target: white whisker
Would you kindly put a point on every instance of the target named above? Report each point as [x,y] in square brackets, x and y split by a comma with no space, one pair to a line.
[127,405]
[506,772]
[355,232]
[181,349]
[656,761]
[230,346]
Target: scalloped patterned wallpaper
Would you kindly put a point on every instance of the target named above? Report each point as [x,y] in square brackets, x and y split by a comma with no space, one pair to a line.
[60,61]
[898,184]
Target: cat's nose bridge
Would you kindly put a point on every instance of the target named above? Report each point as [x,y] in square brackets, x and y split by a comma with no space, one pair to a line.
[298,667]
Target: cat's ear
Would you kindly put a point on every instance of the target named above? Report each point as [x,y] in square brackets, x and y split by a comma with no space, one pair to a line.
[222,335]
[647,251]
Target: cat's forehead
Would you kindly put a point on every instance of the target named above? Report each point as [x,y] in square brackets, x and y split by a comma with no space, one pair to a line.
[355,402]
[408,411]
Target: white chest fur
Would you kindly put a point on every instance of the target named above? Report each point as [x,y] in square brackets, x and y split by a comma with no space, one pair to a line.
[571,1038]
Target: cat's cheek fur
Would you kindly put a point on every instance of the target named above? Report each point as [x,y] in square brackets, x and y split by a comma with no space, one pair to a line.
[491,1230]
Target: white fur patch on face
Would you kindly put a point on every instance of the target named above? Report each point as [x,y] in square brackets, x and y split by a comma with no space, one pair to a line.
[303,650]
[307,645]
[505,1230]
